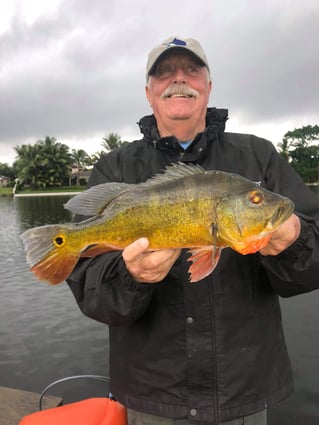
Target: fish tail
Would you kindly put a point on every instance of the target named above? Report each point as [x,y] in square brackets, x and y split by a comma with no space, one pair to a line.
[49,253]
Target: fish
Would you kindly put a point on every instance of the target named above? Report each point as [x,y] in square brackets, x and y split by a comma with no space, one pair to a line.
[185,206]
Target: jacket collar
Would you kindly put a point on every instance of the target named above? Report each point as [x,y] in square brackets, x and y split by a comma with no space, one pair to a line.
[215,127]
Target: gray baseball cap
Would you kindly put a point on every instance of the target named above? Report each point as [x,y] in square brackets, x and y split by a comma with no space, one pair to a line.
[178,43]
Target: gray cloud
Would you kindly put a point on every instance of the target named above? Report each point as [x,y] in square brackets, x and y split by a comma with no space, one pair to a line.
[78,71]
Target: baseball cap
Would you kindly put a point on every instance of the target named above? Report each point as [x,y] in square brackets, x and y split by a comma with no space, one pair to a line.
[174,42]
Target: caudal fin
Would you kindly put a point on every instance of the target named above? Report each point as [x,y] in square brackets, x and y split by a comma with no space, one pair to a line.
[48,254]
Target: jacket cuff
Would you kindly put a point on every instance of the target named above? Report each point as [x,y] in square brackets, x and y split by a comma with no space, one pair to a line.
[127,282]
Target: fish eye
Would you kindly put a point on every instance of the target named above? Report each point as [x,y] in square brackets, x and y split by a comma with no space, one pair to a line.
[59,241]
[255,197]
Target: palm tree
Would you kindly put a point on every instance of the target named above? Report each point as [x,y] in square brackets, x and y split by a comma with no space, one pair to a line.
[112,141]
[81,160]
[44,164]
[54,162]
[96,156]
[27,164]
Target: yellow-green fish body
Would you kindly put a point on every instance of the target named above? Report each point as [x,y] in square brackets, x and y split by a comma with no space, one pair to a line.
[186,207]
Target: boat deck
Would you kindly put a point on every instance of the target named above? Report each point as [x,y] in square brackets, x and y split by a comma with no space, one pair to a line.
[15,404]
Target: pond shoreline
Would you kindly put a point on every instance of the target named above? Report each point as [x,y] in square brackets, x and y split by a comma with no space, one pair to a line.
[20,195]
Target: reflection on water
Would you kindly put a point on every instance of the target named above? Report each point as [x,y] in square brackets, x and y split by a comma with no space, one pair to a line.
[301,320]
[44,336]
[38,210]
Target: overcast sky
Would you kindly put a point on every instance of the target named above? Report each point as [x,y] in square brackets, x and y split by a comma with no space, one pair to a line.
[75,69]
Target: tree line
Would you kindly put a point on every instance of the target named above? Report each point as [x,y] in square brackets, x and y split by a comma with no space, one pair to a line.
[300,151]
[47,163]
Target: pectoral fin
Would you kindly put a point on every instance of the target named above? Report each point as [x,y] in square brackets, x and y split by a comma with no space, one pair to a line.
[204,260]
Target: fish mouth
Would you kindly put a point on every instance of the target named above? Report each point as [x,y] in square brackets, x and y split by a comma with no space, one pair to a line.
[284,211]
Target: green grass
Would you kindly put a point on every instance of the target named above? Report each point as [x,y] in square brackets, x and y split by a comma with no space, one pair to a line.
[54,189]
[5,191]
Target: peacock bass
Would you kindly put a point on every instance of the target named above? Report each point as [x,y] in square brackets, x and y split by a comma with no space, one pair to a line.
[185,207]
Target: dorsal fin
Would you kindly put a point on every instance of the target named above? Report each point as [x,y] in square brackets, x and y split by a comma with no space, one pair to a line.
[94,200]
[174,172]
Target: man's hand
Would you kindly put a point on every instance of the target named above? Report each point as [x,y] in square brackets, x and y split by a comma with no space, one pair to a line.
[148,266]
[283,237]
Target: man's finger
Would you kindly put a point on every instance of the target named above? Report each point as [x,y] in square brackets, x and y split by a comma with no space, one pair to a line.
[135,249]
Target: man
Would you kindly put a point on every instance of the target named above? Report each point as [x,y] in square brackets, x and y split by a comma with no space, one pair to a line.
[210,352]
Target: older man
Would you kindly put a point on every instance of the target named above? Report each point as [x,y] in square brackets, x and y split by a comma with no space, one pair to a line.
[211,352]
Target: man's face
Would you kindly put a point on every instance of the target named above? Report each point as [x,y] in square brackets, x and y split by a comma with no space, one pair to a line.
[179,88]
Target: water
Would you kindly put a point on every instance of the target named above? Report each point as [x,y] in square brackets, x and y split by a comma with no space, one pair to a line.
[43,334]
[45,337]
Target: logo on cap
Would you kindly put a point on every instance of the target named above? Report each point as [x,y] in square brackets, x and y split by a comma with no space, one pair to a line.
[175,42]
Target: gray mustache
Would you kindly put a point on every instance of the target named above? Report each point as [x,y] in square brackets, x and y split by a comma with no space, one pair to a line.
[179,89]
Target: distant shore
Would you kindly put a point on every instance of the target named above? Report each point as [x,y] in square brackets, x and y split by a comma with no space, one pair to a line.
[30,194]
[20,195]
[11,192]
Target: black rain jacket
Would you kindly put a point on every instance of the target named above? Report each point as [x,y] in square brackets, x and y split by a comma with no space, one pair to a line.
[213,350]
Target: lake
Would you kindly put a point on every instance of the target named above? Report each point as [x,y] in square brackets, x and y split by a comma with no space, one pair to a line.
[45,337]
